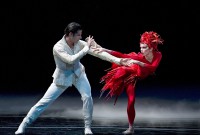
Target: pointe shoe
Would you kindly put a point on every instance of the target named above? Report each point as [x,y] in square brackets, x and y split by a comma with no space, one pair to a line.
[129,131]
[21,128]
[88,131]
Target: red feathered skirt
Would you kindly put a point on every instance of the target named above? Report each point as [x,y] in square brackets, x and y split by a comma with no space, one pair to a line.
[117,78]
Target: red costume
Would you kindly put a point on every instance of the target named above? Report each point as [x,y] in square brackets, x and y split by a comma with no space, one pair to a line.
[123,77]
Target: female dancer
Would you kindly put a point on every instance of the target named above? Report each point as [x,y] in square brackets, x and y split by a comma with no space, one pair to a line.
[142,64]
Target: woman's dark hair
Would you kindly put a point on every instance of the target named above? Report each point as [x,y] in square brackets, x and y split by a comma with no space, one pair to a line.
[72,27]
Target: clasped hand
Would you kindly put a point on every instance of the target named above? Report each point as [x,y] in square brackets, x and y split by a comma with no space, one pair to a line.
[89,41]
[127,61]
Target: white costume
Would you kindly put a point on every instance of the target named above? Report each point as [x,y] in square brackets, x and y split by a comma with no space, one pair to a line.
[69,71]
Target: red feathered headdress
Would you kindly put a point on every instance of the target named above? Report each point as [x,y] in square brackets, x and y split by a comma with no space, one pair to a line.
[152,39]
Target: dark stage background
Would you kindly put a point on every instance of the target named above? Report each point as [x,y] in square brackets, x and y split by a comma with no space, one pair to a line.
[168,103]
[29,29]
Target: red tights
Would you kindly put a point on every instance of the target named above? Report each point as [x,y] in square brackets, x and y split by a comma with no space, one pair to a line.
[130,90]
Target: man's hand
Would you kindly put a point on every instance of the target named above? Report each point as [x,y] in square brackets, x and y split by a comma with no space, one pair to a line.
[93,44]
[89,41]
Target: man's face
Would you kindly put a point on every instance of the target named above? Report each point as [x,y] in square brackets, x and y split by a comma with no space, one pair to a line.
[77,36]
[144,48]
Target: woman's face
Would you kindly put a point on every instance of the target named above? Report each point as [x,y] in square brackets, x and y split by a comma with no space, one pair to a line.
[144,48]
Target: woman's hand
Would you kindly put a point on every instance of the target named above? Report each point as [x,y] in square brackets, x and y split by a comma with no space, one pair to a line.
[127,61]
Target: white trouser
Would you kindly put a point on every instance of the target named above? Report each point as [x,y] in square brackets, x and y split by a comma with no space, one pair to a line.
[54,91]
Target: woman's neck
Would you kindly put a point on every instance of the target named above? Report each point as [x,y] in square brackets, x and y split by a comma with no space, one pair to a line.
[149,56]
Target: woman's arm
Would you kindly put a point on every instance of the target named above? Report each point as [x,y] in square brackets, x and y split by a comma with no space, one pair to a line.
[151,66]
[96,48]
[112,56]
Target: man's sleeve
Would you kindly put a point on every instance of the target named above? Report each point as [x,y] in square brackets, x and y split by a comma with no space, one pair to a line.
[70,59]
[102,55]
[105,56]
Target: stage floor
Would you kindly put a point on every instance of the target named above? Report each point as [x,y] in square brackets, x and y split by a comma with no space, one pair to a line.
[64,126]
